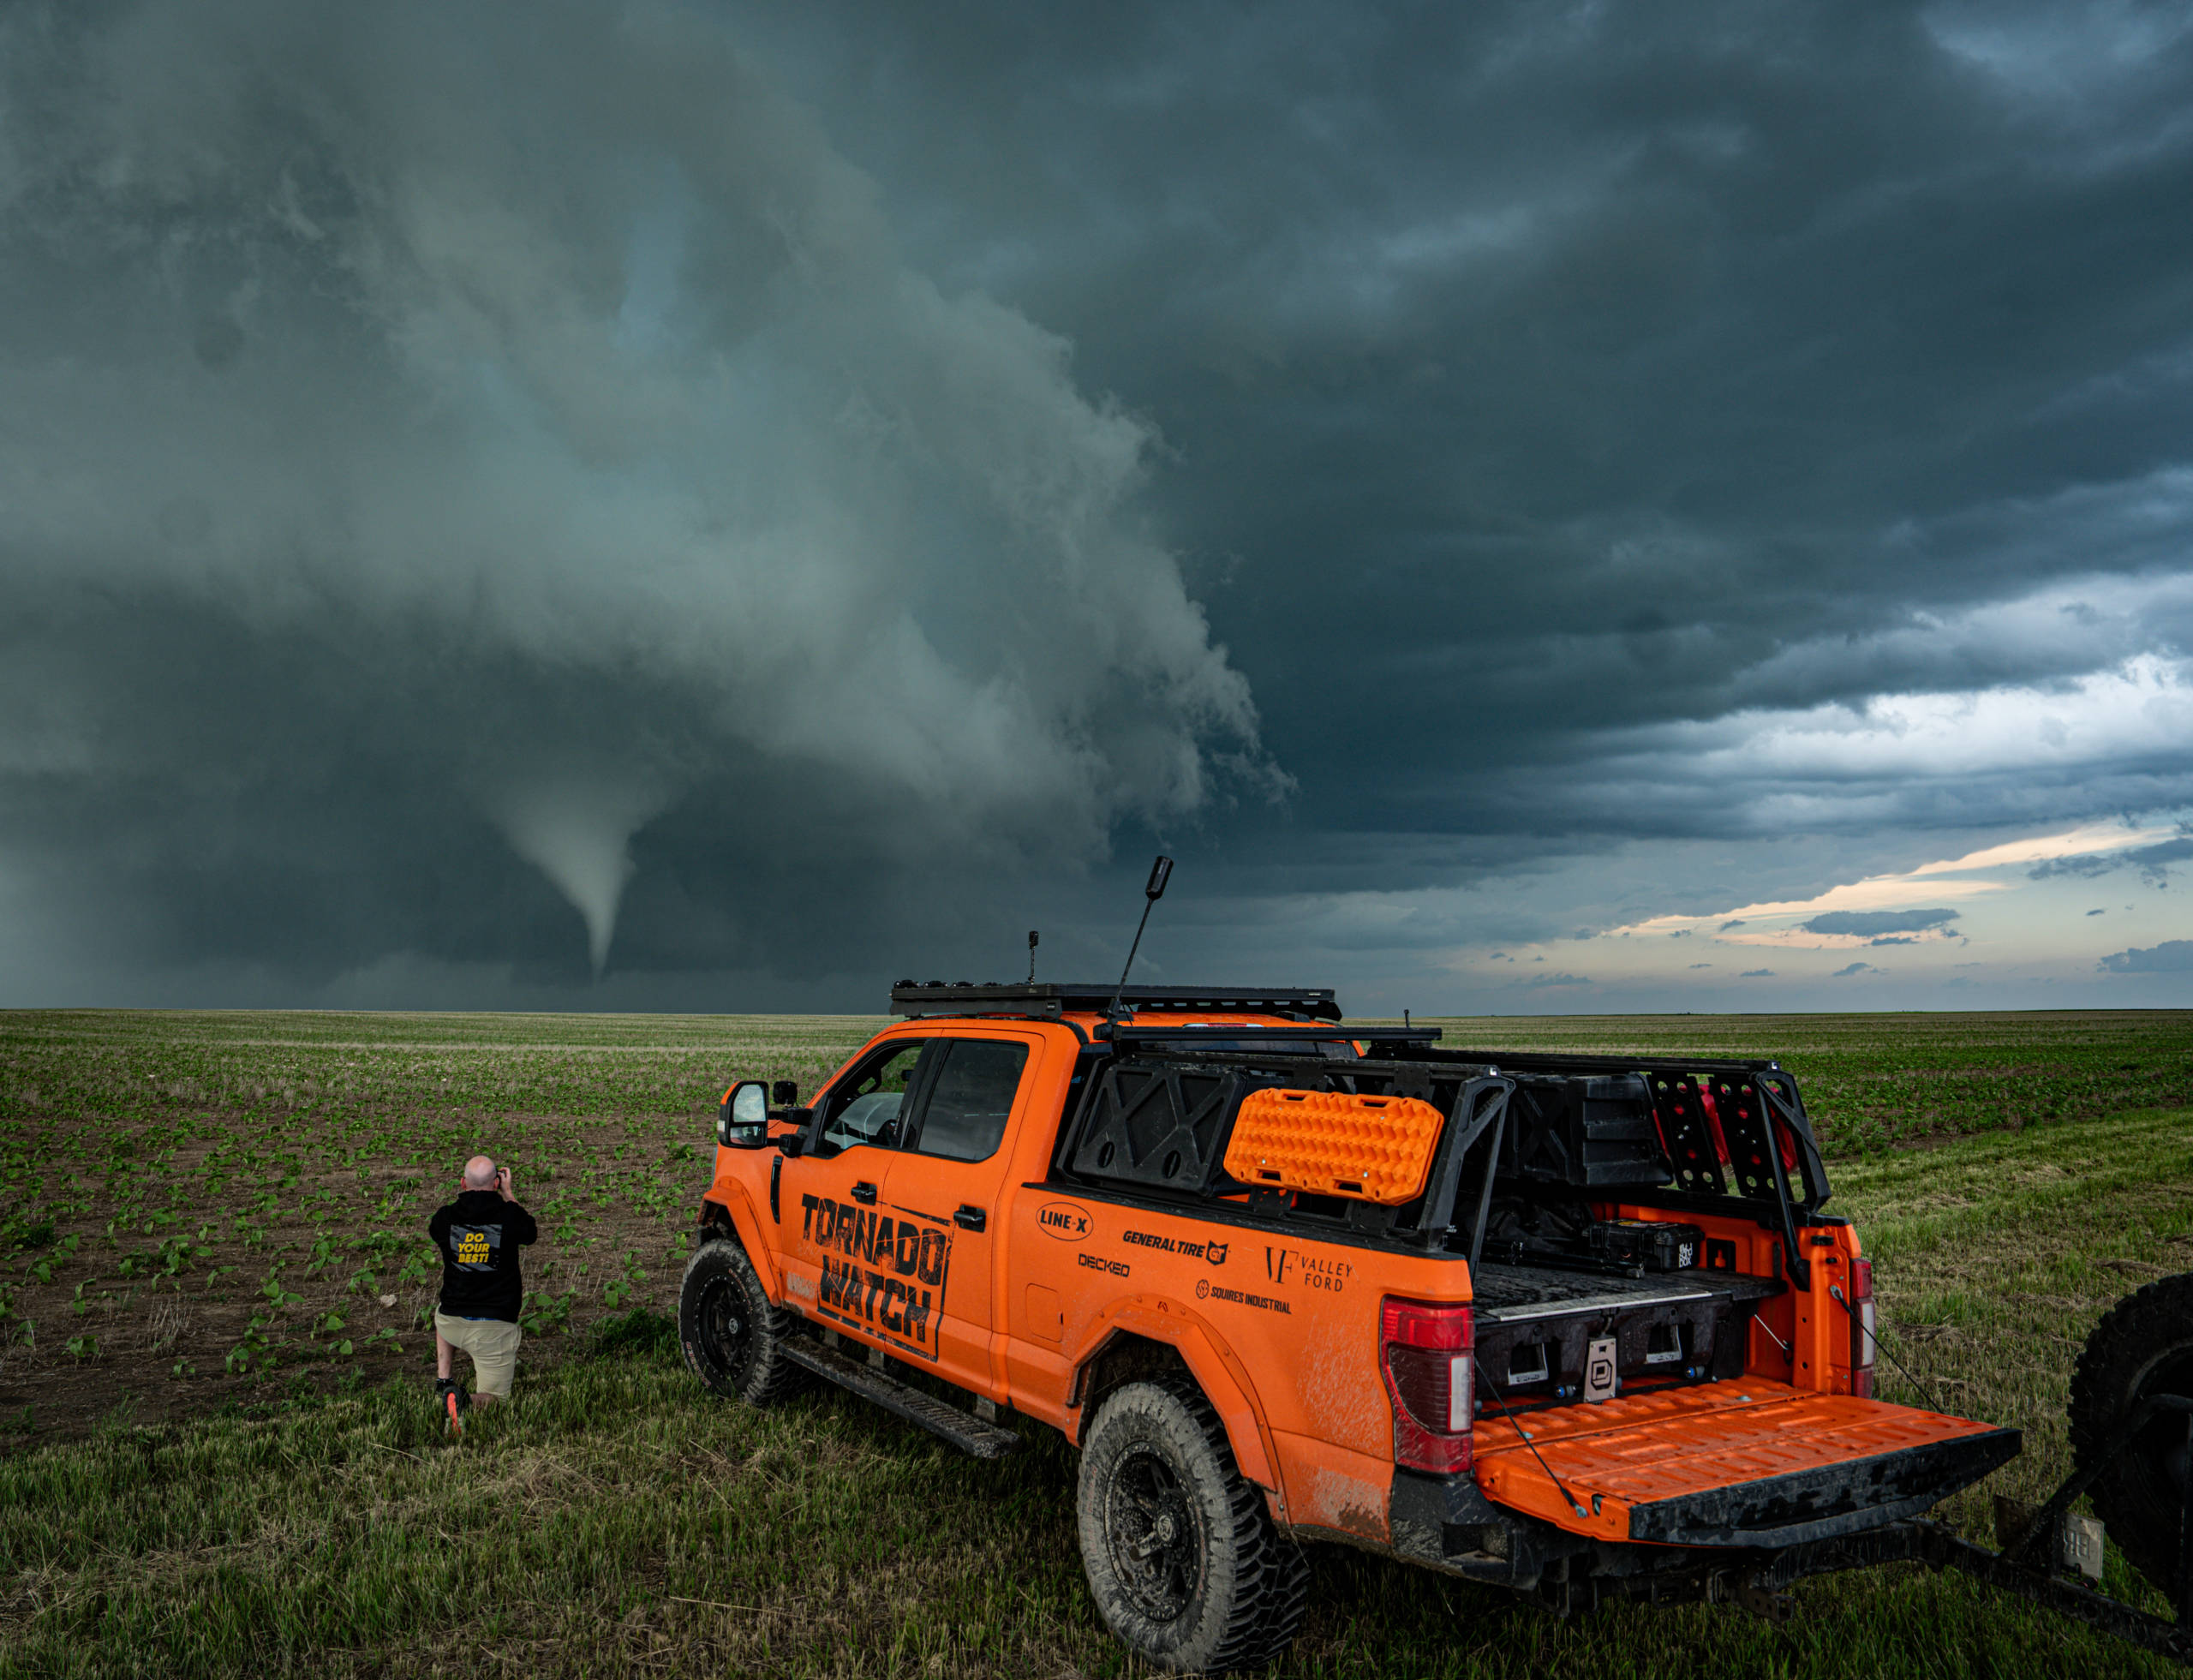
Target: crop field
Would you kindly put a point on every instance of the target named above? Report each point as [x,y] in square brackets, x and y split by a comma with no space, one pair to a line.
[218,1453]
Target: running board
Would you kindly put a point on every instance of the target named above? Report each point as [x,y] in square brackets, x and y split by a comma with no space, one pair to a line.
[963,1429]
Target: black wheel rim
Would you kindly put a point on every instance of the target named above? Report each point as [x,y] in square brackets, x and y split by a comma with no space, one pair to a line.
[725,1329]
[2160,1450]
[1154,1535]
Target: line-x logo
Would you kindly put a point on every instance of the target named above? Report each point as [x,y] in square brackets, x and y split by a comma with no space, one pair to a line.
[1063,1219]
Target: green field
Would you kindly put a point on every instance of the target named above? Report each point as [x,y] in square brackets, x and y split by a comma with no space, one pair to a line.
[219,1457]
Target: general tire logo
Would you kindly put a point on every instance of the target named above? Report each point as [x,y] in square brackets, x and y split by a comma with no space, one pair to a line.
[1064,1221]
[1212,1253]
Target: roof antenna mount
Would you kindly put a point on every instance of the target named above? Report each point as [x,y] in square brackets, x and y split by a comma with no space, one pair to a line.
[1031,956]
[1160,873]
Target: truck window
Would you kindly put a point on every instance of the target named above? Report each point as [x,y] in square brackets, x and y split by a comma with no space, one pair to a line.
[964,1119]
[865,1106]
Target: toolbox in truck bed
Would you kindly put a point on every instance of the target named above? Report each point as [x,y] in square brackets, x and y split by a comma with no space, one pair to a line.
[1536,1326]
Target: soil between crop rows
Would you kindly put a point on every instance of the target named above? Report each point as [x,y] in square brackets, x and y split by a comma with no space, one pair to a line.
[211,1210]
[326,1279]
[211,1189]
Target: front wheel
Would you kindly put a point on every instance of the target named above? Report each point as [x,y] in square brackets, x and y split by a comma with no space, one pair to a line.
[732,1336]
[1185,1563]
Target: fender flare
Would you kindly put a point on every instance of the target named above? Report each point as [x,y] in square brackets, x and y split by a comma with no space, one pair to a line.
[729,1205]
[1218,1369]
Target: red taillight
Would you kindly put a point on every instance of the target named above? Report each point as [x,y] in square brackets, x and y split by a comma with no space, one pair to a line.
[1424,1352]
[1862,1328]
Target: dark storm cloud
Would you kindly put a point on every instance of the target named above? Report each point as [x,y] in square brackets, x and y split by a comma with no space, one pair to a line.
[1541,374]
[446,441]
[1864,922]
[2172,956]
[2153,861]
[805,484]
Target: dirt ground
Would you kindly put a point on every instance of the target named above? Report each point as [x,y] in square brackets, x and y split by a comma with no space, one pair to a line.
[160,1324]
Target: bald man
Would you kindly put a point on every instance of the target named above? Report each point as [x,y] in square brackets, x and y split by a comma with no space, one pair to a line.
[479,1235]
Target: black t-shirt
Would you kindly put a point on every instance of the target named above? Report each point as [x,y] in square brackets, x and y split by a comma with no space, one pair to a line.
[479,1234]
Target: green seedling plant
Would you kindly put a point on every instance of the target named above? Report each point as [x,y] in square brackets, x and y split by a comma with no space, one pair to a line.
[321,1142]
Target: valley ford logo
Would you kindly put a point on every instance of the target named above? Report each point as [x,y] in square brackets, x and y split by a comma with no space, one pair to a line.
[1064,1221]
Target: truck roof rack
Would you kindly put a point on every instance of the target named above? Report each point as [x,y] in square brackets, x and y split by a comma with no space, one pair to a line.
[1248,1037]
[1054,998]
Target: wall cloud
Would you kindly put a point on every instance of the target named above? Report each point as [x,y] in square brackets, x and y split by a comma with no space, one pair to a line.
[452,451]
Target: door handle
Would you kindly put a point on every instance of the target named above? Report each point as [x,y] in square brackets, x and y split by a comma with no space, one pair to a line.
[970,1217]
[864,1192]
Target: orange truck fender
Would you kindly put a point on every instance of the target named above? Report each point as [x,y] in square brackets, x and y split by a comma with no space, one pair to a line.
[1224,1380]
[727,1204]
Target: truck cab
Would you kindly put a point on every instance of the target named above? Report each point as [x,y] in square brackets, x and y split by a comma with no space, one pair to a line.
[1578,1326]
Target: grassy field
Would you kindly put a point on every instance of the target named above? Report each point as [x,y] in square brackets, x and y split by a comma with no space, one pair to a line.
[219,1457]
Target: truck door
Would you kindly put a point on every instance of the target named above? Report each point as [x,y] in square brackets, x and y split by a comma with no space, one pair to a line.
[828,1223]
[949,1178]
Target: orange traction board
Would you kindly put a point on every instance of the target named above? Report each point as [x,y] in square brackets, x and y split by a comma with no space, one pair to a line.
[1335,1143]
[1742,1462]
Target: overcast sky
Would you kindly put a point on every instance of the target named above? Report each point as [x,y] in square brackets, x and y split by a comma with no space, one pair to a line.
[1538,508]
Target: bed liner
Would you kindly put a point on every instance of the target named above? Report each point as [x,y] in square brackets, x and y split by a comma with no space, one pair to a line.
[1746,1462]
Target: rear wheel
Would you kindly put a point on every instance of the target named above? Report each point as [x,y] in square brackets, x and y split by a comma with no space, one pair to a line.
[2143,1347]
[733,1338]
[1185,1563]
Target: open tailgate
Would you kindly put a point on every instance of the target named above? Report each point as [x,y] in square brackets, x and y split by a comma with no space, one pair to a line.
[1745,1462]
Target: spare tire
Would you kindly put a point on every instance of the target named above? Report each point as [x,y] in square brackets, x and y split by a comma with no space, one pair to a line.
[2142,1347]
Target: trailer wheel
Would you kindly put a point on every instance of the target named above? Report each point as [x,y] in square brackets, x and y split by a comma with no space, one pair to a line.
[732,1337]
[2144,1346]
[1183,1561]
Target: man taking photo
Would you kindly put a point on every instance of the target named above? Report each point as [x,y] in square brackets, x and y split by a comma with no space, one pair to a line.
[479,1235]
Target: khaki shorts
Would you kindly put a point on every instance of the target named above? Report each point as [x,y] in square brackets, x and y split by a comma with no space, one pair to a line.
[492,1345]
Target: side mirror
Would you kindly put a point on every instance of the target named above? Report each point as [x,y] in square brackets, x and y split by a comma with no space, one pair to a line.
[742,1122]
[785,1094]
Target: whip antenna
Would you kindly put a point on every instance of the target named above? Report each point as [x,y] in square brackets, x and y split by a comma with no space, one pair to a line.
[1160,872]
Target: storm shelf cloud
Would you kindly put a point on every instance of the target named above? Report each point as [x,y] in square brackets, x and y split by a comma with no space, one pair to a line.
[678,503]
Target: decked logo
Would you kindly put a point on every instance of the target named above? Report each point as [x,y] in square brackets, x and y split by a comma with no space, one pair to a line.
[1064,1221]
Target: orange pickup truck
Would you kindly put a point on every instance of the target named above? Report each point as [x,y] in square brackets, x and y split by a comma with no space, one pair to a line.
[1577,1325]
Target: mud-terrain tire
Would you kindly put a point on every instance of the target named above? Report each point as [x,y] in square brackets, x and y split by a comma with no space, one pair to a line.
[1185,1565]
[2144,1346]
[733,1338]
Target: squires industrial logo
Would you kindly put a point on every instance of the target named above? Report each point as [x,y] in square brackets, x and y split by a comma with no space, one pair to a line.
[888,1275]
